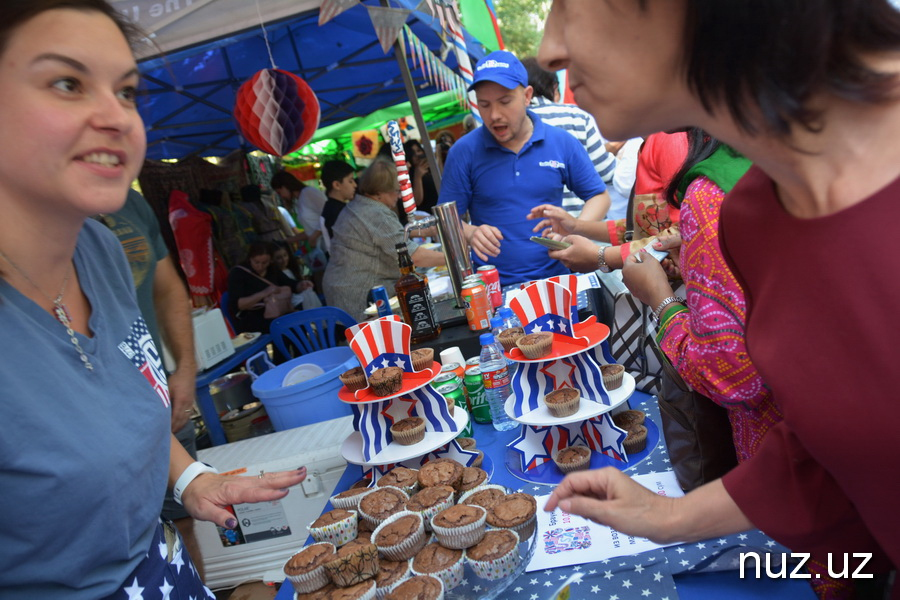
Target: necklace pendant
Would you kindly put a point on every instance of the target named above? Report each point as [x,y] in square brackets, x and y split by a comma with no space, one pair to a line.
[61,313]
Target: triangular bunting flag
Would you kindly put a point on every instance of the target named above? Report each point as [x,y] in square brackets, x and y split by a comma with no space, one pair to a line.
[332,8]
[387,22]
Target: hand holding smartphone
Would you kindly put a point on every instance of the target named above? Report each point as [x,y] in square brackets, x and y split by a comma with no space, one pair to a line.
[548,243]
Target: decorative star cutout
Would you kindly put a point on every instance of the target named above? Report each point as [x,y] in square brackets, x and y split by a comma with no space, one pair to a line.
[452,450]
[558,374]
[601,431]
[531,446]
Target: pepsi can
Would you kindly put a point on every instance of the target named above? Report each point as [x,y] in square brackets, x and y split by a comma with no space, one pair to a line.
[382,302]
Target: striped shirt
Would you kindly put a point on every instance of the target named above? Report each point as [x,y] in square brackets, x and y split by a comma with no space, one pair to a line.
[583,127]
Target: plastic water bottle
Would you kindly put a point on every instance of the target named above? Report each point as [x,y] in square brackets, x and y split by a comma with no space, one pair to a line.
[495,375]
[497,327]
[509,318]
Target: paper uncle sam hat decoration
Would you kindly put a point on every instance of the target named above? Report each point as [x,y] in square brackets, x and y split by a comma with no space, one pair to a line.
[383,343]
[570,282]
[276,111]
[544,306]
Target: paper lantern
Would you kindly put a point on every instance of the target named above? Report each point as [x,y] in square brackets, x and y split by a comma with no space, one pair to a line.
[276,111]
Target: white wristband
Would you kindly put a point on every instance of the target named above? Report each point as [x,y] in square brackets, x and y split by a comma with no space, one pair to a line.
[187,476]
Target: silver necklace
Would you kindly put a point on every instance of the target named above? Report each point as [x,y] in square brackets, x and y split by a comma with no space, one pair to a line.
[59,309]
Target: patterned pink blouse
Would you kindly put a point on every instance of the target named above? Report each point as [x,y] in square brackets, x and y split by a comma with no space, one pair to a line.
[706,343]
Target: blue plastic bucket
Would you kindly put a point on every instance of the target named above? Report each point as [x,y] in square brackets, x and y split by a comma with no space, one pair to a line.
[310,401]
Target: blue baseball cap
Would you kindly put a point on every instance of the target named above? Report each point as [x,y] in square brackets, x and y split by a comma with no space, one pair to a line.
[501,67]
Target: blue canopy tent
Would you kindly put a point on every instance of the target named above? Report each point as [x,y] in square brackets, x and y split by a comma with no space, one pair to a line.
[210,47]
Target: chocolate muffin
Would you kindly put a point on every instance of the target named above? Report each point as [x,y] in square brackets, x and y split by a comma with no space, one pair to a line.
[354,379]
[380,504]
[408,431]
[421,587]
[636,440]
[386,381]
[573,458]
[563,402]
[459,526]
[509,337]
[486,497]
[496,555]
[306,569]
[360,591]
[472,478]
[422,358]
[430,501]
[401,536]
[391,573]
[535,345]
[466,443]
[516,512]
[349,499]
[444,563]
[354,563]
[337,526]
[628,419]
[331,517]
[443,471]
[612,376]
[400,477]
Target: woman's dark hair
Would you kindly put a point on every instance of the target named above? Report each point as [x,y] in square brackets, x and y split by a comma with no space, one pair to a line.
[544,82]
[700,147]
[13,13]
[293,263]
[285,179]
[765,60]
[334,170]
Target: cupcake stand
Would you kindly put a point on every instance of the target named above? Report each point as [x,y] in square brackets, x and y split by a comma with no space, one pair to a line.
[574,361]
[386,342]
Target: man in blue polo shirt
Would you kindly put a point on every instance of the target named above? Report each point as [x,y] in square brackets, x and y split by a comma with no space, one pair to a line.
[515,162]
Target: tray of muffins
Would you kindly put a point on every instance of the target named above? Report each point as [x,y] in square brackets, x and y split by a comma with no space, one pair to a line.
[566,405]
[389,381]
[440,532]
[545,346]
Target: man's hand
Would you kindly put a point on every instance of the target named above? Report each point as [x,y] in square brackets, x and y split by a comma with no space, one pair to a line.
[182,394]
[581,256]
[484,240]
[206,497]
[553,218]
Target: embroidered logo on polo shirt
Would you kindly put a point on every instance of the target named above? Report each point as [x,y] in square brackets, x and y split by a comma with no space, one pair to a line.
[553,164]
[141,351]
[492,64]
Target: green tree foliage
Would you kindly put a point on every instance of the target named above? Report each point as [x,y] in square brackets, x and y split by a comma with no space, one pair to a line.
[522,24]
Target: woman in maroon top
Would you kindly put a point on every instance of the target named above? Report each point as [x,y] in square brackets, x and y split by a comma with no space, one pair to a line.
[807,90]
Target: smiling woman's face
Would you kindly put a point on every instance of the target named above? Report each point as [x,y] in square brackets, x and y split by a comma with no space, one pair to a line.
[70,134]
[623,61]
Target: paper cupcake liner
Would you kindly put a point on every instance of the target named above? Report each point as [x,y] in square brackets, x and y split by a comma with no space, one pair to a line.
[637,443]
[348,503]
[407,548]
[382,592]
[312,580]
[498,568]
[409,436]
[563,409]
[533,351]
[409,576]
[523,530]
[429,512]
[573,466]
[338,533]
[451,577]
[486,486]
[376,521]
[612,382]
[509,342]
[460,538]
[420,363]
[353,569]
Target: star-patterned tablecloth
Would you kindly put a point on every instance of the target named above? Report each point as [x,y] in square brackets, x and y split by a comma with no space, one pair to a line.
[702,570]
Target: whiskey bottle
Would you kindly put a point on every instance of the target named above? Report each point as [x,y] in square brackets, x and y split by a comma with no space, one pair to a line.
[416,304]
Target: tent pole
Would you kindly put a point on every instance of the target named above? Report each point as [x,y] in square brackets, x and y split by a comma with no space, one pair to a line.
[400,54]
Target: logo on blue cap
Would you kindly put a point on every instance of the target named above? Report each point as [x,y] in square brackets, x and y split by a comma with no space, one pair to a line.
[501,67]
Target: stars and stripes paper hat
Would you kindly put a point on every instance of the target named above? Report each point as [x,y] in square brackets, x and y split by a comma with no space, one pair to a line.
[383,343]
[570,282]
[544,306]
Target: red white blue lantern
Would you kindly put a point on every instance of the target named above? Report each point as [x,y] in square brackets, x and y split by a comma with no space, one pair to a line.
[276,111]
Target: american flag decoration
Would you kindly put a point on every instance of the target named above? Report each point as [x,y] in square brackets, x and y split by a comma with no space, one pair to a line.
[388,22]
[383,343]
[534,380]
[528,387]
[406,191]
[432,406]
[351,331]
[139,348]
[544,306]
[537,445]
[604,436]
[332,8]
[570,282]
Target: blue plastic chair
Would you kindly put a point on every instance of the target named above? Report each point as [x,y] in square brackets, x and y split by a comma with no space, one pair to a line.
[309,330]
[223,305]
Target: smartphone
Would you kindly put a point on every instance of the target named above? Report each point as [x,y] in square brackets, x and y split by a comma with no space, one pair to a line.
[548,243]
[657,254]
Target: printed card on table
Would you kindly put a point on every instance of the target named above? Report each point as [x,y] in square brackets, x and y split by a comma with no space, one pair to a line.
[565,539]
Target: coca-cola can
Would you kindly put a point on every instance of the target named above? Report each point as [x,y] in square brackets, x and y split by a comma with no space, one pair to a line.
[478,306]
[491,277]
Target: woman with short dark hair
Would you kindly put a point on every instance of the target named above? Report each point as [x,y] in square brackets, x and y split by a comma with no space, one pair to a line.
[807,90]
